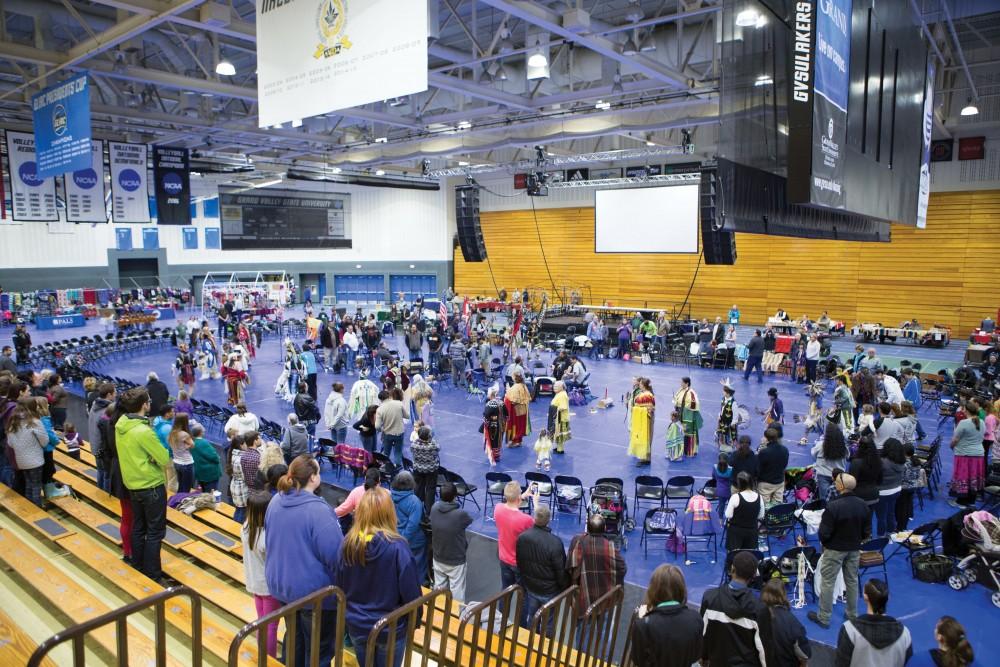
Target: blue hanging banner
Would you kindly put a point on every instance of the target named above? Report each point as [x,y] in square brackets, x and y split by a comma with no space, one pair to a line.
[212,238]
[190,236]
[150,238]
[61,115]
[123,238]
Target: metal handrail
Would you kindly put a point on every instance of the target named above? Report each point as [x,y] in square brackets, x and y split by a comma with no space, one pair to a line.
[119,617]
[288,614]
[412,614]
[493,646]
[599,629]
[627,650]
[552,630]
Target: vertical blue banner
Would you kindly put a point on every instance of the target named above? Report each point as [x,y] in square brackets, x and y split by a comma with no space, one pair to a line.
[212,238]
[831,84]
[190,237]
[150,238]
[924,193]
[61,117]
[123,238]
[210,207]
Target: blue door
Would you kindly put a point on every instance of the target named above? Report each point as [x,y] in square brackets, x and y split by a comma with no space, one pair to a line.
[412,285]
[359,288]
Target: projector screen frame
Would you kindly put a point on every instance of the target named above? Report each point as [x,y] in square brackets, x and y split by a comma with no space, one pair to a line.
[697,221]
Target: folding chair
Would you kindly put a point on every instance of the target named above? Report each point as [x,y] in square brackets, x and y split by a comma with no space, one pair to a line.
[465,490]
[545,485]
[570,495]
[648,488]
[659,522]
[679,487]
[495,483]
[780,520]
[872,557]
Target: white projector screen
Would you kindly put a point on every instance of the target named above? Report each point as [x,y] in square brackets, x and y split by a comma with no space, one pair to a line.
[647,220]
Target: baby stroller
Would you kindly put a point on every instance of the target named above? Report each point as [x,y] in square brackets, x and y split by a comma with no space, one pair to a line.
[981,531]
[607,498]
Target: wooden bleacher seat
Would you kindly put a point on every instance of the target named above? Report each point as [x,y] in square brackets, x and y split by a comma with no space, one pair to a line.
[15,645]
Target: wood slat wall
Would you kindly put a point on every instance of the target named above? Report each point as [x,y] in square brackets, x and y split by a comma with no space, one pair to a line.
[948,273]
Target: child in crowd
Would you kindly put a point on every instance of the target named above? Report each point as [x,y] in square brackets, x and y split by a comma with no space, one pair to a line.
[914,478]
[723,476]
[675,437]
[181,443]
[183,403]
[254,557]
[415,434]
[867,418]
[72,439]
[543,451]
[39,409]
[207,465]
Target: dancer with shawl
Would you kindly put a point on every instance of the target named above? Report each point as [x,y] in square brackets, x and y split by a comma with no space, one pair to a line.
[421,401]
[493,426]
[364,392]
[686,402]
[245,338]
[727,429]
[558,424]
[843,403]
[185,365]
[236,377]
[640,441]
[516,401]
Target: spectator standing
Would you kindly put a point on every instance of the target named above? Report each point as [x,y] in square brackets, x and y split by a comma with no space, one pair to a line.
[303,540]
[744,459]
[449,542]
[366,428]
[143,460]
[773,459]
[378,575]
[744,512]
[874,638]
[373,478]
[295,439]
[595,564]
[969,473]
[511,523]
[866,468]
[414,342]
[159,395]
[6,362]
[26,441]
[845,525]
[99,446]
[426,462]
[305,408]
[335,414]
[207,465]
[831,453]
[311,369]
[667,633]
[737,624]
[434,343]
[812,357]
[391,419]
[755,357]
[254,542]
[410,519]
[790,646]
[457,353]
[893,465]
[242,422]
[58,398]
[953,647]
[181,443]
[541,560]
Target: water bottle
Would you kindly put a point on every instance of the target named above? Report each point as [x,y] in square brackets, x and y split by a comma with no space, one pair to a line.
[217,496]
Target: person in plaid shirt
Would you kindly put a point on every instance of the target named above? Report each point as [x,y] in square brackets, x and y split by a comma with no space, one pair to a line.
[595,564]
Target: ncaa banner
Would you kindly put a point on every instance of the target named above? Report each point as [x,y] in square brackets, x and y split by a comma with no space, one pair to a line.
[61,116]
[831,85]
[317,56]
[129,193]
[84,189]
[33,199]
[172,178]
[924,194]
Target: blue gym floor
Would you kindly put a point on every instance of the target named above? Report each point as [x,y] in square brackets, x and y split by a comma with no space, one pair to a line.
[598,449]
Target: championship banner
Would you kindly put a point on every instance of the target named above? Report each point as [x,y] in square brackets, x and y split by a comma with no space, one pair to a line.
[61,117]
[924,194]
[831,86]
[172,177]
[84,189]
[129,193]
[317,56]
[33,199]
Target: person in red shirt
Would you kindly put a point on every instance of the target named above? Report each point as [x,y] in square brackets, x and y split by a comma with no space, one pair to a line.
[511,522]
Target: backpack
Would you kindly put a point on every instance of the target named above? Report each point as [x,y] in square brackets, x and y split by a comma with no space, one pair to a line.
[661,519]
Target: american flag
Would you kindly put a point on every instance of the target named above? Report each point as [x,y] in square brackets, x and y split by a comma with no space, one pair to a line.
[443,313]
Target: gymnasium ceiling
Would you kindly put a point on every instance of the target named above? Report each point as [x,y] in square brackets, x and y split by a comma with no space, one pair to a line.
[153,63]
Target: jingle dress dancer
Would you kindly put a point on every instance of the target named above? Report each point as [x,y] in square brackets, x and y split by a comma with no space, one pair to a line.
[640,441]
[686,402]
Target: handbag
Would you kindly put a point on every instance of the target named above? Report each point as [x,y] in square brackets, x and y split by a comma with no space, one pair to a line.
[932,568]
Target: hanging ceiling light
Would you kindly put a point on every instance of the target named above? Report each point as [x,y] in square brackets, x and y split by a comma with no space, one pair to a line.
[648,43]
[225,68]
[616,87]
[506,45]
[484,76]
[747,18]
[630,48]
[538,57]
[970,108]
[501,73]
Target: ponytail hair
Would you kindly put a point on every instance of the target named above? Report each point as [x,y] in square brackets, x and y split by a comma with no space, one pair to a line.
[299,473]
[958,651]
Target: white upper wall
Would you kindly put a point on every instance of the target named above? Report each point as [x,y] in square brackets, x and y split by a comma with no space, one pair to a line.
[387,224]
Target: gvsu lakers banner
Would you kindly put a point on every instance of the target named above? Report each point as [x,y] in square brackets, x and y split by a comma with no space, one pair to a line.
[173,185]
[129,193]
[33,199]
[317,56]
[833,58]
[61,117]
[85,189]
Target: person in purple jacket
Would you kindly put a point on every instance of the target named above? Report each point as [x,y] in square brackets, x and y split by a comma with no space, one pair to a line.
[302,539]
[378,575]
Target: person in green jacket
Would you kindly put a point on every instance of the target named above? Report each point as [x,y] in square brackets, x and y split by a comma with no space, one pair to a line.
[207,468]
[143,459]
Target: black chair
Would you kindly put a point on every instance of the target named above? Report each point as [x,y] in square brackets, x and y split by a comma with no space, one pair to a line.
[757,582]
[788,563]
[386,467]
[570,495]
[464,489]
[659,522]
[679,487]
[545,486]
[325,447]
[873,557]
[648,488]
[709,538]
[495,482]
[922,540]
[780,520]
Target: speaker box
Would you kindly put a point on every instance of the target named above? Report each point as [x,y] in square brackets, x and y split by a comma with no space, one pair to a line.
[718,245]
[470,234]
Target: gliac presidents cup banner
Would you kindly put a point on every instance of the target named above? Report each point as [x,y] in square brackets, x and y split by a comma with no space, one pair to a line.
[317,56]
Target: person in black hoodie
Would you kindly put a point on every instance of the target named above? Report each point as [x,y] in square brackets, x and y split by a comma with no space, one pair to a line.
[866,467]
[668,633]
[845,525]
[541,560]
[159,395]
[874,638]
[305,408]
[790,646]
[737,624]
